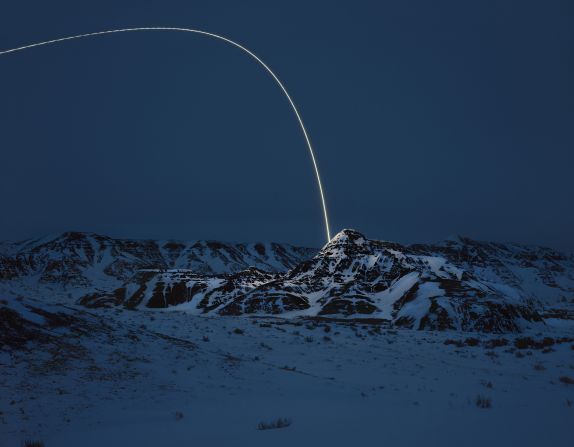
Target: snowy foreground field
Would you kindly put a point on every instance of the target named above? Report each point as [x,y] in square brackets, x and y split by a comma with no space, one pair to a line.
[167,378]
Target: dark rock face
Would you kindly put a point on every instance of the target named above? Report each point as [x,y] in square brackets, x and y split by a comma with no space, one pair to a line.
[458,284]
[15,331]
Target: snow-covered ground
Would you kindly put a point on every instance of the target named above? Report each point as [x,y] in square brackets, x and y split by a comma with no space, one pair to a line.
[169,378]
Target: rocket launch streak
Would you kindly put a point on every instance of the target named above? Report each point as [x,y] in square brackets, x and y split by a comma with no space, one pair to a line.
[235,44]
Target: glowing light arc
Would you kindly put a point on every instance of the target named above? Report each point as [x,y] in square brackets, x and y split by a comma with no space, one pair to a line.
[235,44]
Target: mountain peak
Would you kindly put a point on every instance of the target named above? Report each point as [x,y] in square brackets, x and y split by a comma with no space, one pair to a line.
[348,236]
[346,241]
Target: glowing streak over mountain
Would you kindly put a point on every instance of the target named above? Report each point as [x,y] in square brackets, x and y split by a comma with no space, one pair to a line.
[235,44]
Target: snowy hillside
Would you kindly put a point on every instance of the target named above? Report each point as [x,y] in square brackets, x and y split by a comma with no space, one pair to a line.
[104,377]
[78,263]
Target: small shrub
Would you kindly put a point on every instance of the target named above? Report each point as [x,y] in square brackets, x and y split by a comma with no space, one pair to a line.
[238,331]
[178,415]
[471,341]
[327,329]
[529,343]
[278,423]
[232,359]
[566,380]
[523,343]
[483,402]
[309,339]
[205,338]
[539,367]
[327,339]
[496,343]
[457,343]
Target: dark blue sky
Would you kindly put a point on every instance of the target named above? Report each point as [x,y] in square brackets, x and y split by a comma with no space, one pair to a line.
[428,118]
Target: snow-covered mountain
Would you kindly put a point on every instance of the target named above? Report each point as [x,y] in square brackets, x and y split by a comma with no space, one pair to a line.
[85,262]
[457,284]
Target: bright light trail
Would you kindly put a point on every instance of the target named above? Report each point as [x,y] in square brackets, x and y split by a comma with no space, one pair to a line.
[235,44]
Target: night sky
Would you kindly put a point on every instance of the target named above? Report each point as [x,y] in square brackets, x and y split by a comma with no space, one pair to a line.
[428,118]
